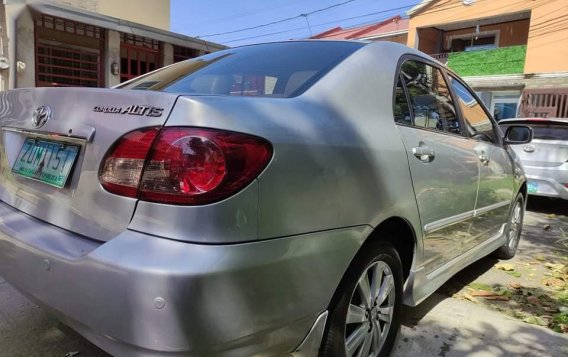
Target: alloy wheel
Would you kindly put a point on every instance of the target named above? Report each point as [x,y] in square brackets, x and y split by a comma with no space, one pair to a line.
[515,225]
[370,312]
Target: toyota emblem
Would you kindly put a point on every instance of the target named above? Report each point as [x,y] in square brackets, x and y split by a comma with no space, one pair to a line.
[529,148]
[41,116]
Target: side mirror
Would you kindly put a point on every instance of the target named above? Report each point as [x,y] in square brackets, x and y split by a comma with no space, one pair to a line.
[518,134]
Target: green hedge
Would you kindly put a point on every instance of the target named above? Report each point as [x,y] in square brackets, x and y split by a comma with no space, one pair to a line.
[506,60]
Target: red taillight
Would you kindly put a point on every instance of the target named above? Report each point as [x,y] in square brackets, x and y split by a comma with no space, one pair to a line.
[196,166]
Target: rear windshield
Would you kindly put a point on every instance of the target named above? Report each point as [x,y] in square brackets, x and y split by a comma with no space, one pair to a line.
[268,70]
[545,131]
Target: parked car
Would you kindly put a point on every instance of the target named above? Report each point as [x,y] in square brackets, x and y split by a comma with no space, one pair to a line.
[545,158]
[274,199]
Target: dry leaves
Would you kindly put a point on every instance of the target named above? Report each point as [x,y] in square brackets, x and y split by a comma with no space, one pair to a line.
[498,298]
[555,267]
[505,266]
[469,297]
[514,285]
[553,283]
[540,257]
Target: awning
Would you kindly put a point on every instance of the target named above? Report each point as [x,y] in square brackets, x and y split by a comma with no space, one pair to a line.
[120,25]
[518,81]
[499,82]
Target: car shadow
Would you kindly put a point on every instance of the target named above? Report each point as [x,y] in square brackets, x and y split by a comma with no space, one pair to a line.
[547,205]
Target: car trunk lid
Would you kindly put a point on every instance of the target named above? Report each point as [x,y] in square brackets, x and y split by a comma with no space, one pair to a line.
[543,153]
[86,123]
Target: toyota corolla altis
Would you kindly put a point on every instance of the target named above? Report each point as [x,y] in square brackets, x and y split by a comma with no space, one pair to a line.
[267,200]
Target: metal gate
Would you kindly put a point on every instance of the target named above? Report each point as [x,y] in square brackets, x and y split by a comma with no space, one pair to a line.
[68,53]
[545,103]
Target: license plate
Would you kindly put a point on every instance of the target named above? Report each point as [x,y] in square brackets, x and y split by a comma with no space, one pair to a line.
[532,187]
[46,161]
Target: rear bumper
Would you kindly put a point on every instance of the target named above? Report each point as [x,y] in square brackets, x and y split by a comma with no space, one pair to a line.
[549,182]
[139,295]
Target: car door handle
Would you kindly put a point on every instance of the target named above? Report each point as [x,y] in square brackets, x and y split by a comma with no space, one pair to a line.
[424,153]
[484,159]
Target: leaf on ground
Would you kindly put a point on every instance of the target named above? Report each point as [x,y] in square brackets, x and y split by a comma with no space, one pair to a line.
[480,286]
[516,274]
[562,328]
[553,282]
[555,267]
[546,227]
[514,285]
[561,318]
[502,291]
[535,320]
[550,309]
[540,257]
[505,266]
[498,297]
[533,300]
[469,297]
[483,293]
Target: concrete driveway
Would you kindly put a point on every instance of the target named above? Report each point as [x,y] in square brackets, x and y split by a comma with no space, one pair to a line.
[441,326]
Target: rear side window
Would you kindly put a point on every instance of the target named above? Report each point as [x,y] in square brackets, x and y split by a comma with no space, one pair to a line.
[476,120]
[545,131]
[268,70]
[430,97]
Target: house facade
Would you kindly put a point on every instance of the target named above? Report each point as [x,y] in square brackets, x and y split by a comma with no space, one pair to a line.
[514,53]
[88,43]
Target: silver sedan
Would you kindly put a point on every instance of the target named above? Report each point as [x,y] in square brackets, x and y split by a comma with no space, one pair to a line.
[545,159]
[275,199]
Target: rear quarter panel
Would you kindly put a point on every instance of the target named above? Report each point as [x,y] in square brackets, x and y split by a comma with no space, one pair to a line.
[338,158]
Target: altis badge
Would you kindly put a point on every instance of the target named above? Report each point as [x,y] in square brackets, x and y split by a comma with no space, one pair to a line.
[140,110]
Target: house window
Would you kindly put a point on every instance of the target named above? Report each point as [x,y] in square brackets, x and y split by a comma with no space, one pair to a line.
[474,42]
[68,53]
[185,53]
[138,55]
[504,105]
[58,66]
[67,26]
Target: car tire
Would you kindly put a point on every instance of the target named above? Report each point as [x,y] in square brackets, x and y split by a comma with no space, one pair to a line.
[374,321]
[513,229]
